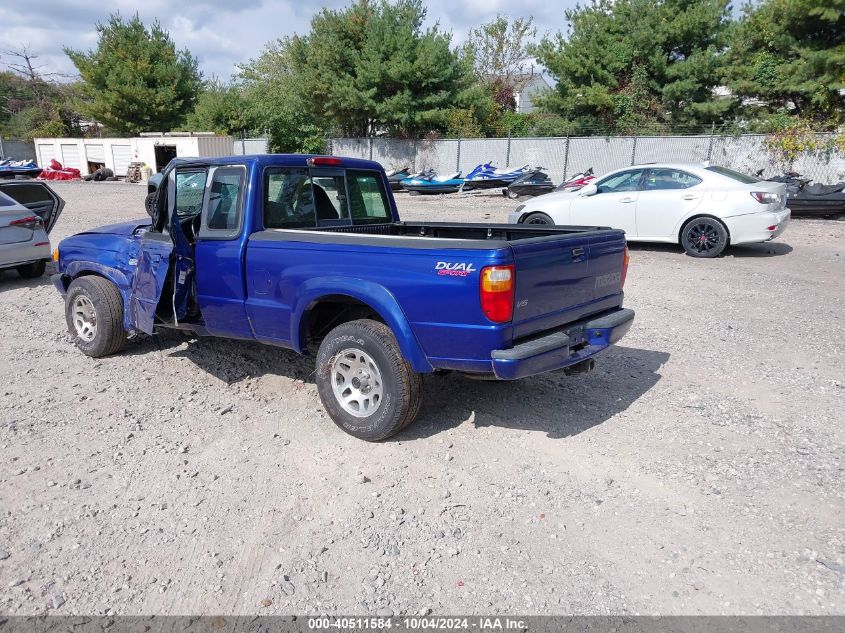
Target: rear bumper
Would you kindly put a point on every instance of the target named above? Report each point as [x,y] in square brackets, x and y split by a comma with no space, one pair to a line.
[572,344]
[754,227]
[20,253]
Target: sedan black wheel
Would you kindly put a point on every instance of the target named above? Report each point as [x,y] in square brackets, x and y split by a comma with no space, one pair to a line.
[539,218]
[33,270]
[704,237]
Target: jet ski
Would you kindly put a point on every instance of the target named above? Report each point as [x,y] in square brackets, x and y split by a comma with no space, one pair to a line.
[805,197]
[577,181]
[486,176]
[429,182]
[18,168]
[396,176]
[532,183]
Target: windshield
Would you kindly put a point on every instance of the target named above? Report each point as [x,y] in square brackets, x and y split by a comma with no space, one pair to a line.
[733,175]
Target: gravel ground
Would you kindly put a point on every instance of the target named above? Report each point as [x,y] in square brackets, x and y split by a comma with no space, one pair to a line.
[699,469]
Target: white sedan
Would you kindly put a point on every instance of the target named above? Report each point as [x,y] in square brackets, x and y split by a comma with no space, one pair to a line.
[702,208]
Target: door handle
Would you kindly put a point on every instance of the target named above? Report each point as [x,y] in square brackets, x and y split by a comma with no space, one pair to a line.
[577,252]
[689,197]
[626,200]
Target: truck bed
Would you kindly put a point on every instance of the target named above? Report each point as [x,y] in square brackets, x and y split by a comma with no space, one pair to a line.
[483,233]
[563,273]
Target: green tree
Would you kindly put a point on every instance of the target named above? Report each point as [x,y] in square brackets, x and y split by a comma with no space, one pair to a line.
[220,108]
[636,65]
[32,103]
[371,67]
[136,80]
[498,52]
[791,54]
[274,100]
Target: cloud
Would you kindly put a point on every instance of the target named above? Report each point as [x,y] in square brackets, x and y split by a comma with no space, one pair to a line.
[224,33]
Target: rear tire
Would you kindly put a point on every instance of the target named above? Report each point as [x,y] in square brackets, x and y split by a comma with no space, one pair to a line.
[366,386]
[33,270]
[94,316]
[704,237]
[538,218]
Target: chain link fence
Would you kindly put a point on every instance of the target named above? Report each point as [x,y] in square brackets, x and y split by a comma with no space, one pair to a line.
[565,156]
[16,150]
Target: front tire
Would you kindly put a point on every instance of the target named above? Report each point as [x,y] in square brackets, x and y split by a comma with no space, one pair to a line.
[94,315]
[538,218]
[366,386]
[33,270]
[704,237]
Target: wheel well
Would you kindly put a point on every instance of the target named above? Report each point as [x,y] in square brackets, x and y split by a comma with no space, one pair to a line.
[330,311]
[67,279]
[702,215]
[528,214]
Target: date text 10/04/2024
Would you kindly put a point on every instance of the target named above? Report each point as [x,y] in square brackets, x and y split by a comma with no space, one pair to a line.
[417,623]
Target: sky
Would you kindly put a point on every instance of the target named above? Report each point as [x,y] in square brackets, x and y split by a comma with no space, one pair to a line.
[222,33]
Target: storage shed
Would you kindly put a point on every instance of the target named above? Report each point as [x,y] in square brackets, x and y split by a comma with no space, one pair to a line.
[154,149]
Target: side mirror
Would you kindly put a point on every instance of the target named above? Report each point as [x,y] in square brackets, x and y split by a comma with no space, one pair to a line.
[154,184]
[588,190]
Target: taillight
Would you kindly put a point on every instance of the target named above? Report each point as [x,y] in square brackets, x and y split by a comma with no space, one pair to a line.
[31,223]
[497,284]
[765,197]
[626,258]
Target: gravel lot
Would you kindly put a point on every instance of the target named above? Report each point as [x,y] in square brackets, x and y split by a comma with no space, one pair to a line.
[699,469]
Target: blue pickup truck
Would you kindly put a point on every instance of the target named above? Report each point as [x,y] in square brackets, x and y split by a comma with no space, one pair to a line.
[308,252]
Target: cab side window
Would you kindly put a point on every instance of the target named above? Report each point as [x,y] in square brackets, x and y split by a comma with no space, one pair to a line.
[224,203]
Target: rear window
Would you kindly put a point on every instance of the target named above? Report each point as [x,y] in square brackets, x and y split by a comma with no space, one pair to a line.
[288,199]
[367,197]
[297,198]
[733,175]
[30,193]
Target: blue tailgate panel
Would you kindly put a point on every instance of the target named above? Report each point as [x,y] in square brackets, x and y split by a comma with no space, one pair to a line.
[561,281]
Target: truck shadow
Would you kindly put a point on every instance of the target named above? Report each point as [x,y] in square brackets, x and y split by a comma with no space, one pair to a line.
[11,280]
[558,405]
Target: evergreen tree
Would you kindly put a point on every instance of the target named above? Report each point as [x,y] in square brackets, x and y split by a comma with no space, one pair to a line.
[136,80]
[638,65]
[790,54]
[372,67]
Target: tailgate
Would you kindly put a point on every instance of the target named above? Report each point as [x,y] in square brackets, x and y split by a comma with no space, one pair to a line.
[560,279]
